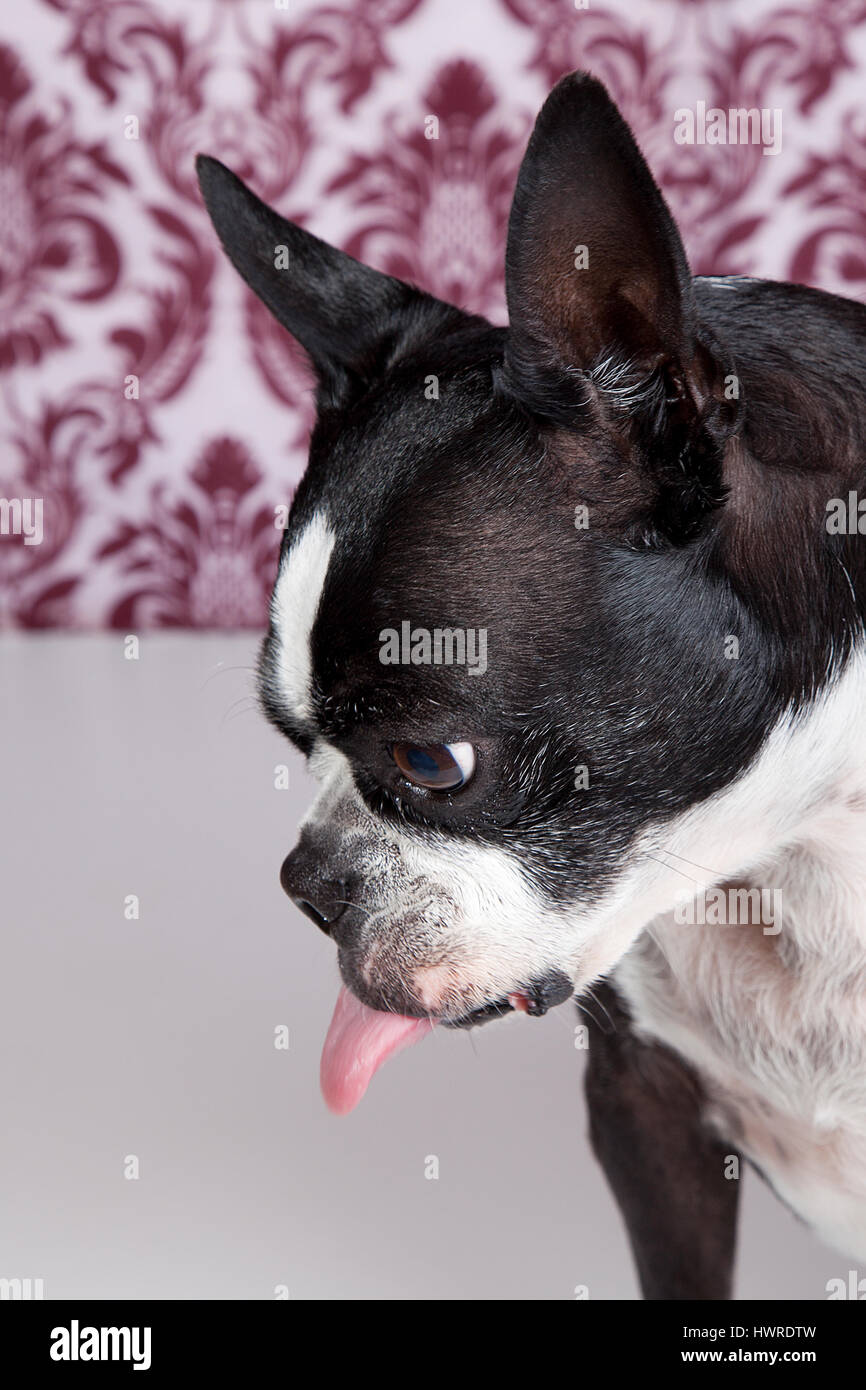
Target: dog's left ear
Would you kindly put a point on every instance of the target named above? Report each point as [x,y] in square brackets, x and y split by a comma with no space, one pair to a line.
[600,300]
[351,320]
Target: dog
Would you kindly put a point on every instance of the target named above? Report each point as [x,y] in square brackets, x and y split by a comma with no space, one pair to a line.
[633,492]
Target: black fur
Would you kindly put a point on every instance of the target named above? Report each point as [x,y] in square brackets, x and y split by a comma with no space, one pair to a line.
[671,1177]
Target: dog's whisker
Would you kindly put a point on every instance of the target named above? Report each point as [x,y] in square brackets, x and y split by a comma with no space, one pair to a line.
[595,999]
[690,877]
[221,670]
[715,874]
[244,705]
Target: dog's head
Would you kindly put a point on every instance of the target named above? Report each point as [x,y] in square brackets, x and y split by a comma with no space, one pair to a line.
[501,626]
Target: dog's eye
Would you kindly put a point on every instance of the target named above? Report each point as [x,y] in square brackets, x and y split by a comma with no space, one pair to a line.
[440,767]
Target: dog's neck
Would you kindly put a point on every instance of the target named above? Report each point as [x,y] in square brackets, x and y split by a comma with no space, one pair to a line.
[804,796]
[794,824]
[803,800]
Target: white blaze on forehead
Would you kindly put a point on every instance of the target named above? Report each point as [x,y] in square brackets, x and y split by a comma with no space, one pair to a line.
[294,604]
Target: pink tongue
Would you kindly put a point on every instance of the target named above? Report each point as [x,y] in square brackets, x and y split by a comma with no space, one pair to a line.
[359,1040]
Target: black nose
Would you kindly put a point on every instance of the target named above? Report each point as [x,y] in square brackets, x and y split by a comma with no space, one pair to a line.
[320,898]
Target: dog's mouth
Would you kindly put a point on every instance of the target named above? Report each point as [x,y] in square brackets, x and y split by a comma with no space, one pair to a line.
[534,1000]
[360,1040]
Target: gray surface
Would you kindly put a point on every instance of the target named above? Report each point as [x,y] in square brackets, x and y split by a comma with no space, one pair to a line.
[155,1037]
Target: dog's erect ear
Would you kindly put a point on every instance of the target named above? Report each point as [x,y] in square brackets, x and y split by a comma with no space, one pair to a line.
[596,274]
[350,320]
[602,312]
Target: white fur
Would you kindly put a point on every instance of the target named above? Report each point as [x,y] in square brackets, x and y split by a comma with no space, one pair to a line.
[617,379]
[776,1023]
[294,604]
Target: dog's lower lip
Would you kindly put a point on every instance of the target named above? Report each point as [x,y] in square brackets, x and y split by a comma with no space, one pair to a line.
[534,999]
[481,1015]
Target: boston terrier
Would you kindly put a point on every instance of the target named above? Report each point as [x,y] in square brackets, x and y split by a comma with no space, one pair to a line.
[568,622]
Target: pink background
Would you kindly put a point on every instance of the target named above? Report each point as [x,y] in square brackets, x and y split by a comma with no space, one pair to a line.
[160,512]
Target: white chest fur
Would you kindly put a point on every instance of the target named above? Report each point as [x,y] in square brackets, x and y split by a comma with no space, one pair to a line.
[775,1022]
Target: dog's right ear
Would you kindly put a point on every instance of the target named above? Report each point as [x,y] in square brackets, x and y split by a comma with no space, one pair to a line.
[351,320]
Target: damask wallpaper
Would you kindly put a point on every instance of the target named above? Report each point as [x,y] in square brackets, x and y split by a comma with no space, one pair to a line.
[153,416]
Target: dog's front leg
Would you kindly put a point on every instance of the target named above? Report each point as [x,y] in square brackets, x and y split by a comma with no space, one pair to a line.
[667,1171]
